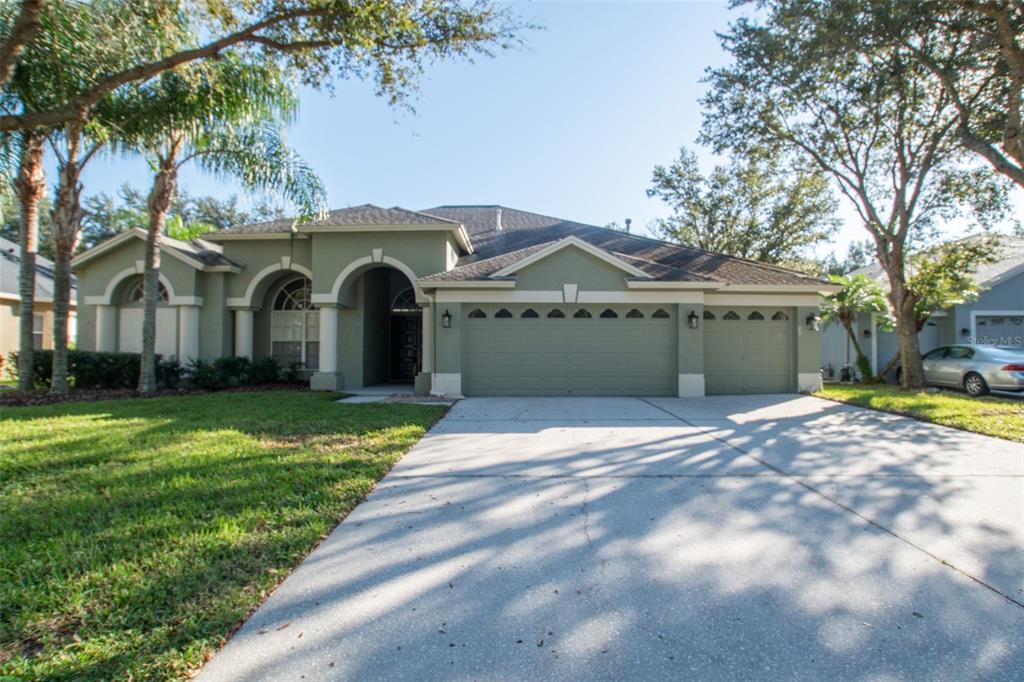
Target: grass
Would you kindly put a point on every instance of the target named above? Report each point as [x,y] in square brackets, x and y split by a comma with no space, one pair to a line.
[137,534]
[991,416]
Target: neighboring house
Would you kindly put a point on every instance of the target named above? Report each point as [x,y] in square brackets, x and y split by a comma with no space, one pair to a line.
[996,317]
[474,300]
[10,263]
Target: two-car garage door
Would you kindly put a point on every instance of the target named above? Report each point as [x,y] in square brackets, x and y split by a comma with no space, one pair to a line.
[621,350]
[569,350]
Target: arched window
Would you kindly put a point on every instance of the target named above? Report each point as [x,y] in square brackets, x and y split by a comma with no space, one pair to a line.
[779,315]
[582,314]
[135,293]
[708,315]
[660,314]
[503,314]
[476,314]
[405,302]
[556,314]
[634,314]
[295,325]
[755,316]
[731,315]
[608,314]
[530,313]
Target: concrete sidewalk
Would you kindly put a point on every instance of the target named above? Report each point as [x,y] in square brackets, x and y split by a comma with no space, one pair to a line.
[610,538]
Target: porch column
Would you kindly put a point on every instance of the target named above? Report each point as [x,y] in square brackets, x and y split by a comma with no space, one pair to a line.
[327,378]
[106,328]
[425,378]
[188,332]
[328,338]
[243,332]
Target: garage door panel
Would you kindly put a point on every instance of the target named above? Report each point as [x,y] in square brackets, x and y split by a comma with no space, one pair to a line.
[748,355]
[569,356]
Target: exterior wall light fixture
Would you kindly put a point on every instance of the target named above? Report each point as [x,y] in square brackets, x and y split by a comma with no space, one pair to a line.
[446,320]
[814,322]
[692,320]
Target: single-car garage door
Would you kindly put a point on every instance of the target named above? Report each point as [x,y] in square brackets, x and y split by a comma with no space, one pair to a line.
[748,350]
[569,350]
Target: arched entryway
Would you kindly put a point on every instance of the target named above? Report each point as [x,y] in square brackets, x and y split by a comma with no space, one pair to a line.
[391,322]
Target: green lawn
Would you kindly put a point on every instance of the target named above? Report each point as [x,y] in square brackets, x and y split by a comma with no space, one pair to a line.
[992,416]
[136,534]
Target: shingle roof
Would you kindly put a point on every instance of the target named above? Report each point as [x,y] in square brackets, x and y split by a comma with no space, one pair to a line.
[523,233]
[366,214]
[10,264]
[1009,259]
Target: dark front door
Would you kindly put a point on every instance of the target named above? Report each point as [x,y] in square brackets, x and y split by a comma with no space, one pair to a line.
[405,347]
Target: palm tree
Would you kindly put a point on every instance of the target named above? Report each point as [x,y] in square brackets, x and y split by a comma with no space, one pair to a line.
[859,295]
[30,187]
[228,119]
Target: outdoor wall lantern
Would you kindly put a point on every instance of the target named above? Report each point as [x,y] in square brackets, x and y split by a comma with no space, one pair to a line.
[692,320]
[446,320]
[867,333]
[813,322]
[965,331]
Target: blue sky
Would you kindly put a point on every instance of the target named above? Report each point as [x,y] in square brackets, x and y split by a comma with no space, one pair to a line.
[571,125]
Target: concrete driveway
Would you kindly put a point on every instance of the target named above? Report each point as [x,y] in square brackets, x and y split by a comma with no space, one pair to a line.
[616,538]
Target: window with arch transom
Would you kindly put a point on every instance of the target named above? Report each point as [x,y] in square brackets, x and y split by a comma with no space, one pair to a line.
[295,325]
[556,314]
[136,293]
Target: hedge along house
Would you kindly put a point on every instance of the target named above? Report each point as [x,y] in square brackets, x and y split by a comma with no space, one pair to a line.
[465,300]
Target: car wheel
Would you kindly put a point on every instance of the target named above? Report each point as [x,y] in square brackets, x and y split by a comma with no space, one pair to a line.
[975,384]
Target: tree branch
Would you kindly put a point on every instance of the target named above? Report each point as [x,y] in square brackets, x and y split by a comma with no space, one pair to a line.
[25,28]
[78,106]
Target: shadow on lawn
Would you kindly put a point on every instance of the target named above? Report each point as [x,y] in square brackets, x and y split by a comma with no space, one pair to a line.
[669,552]
[145,530]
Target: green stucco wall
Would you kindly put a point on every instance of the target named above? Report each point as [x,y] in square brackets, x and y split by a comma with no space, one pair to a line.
[571,265]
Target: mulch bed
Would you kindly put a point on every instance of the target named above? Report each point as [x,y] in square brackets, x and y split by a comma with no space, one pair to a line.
[24,399]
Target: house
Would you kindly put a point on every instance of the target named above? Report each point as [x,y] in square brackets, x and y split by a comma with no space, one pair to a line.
[996,317]
[465,300]
[10,299]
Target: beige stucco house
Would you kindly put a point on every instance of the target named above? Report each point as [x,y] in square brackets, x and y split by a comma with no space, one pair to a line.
[465,300]
[10,302]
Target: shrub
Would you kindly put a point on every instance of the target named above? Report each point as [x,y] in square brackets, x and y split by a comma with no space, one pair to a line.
[234,371]
[294,372]
[265,371]
[98,370]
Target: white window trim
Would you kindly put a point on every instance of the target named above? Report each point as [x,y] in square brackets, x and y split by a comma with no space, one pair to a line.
[306,337]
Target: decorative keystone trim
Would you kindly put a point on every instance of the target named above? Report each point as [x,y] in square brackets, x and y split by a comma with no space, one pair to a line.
[570,292]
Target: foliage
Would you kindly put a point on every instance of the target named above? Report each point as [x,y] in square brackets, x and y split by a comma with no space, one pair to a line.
[92,369]
[944,275]
[106,216]
[867,115]
[753,208]
[143,531]
[969,48]
[991,416]
[859,295]
[316,40]
[858,255]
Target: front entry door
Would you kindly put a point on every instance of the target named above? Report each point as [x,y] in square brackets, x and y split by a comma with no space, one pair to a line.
[406,341]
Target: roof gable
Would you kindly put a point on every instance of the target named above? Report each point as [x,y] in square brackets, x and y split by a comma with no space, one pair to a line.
[574,242]
[199,254]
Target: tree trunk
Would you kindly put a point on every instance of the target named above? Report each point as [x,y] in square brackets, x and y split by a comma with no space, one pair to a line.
[903,301]
[30,186]
[159,202]
[67,222]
